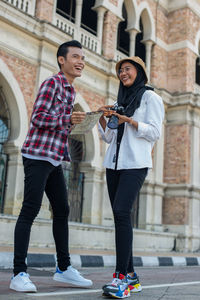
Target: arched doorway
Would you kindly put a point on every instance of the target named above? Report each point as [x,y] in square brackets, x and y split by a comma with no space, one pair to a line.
[123,39]
[139,46]
[73,175]
[4,135]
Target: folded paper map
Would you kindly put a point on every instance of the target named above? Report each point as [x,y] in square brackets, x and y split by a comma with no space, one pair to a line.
[90,120]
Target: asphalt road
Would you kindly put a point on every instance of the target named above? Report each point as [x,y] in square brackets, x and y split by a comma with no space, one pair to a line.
[162,283]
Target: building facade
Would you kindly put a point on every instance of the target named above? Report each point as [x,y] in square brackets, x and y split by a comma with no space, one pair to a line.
[166,35]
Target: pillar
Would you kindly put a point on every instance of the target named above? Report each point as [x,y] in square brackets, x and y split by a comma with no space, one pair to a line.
[148,45]
[79,4]
[132,32]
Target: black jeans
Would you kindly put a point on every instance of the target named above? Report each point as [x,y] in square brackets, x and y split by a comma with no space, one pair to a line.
[123,187]
[42,176]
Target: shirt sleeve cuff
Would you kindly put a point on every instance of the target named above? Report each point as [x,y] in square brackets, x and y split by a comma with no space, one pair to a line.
[142,129]
[66,122]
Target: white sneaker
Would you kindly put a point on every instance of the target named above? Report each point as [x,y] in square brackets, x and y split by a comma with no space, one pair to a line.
[22,283]
[72,276]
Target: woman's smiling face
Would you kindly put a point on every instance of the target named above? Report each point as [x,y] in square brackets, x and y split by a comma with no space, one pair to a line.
[127,73]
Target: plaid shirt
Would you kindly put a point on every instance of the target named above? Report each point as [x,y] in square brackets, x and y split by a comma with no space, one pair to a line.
[50,121]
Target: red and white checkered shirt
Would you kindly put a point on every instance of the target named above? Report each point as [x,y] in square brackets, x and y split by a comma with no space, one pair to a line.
[50,121]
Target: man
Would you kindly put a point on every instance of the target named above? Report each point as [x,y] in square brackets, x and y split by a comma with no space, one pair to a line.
[45,146]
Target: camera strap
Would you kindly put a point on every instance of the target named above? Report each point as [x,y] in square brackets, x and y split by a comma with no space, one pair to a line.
[120,132]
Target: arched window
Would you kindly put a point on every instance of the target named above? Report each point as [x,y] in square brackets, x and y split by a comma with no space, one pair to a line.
[139,46]
[66,8]
[4,135]
[89,17]
[198,70]
[123,39]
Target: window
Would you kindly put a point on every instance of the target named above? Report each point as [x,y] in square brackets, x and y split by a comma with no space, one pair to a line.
[123,39]
[198,70]
[66,8]
[139,46]
[4,135]
[89,17]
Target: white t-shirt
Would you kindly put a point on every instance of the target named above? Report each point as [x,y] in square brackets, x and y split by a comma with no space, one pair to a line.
[136,145]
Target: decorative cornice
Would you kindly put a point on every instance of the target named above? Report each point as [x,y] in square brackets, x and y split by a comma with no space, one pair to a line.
[176,46]
[173,5]
[182,190]
[179,99]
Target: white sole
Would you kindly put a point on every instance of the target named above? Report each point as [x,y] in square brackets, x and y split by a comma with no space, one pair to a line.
[77,283]
[23,291]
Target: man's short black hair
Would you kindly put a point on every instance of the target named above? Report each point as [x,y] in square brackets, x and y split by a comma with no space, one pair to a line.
[63,49]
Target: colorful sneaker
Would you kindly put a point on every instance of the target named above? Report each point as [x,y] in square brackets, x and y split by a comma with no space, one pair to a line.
[71,276]
[22,283]
[118,288]
[134,283]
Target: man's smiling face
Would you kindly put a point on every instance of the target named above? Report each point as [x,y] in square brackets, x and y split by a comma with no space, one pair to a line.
[73,64]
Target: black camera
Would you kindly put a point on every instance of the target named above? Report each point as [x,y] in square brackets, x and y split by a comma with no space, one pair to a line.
[113,121]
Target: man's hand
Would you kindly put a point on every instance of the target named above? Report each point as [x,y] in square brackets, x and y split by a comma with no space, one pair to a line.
[77,117]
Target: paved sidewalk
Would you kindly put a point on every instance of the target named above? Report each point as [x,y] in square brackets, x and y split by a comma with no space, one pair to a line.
[45,257]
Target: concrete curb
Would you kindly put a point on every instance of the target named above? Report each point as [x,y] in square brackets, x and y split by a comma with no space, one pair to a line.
[49,260]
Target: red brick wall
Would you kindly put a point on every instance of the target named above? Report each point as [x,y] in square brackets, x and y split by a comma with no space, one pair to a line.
[183,24]
[176,211]
[25,74]
[177,153]
[181,70]
[109,34]
[159,67]
[93,99]
[44,10]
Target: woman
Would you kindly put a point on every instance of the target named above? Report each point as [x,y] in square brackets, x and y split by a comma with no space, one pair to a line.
[127,161]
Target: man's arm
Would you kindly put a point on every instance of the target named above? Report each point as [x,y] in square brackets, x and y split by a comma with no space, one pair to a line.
[43,115]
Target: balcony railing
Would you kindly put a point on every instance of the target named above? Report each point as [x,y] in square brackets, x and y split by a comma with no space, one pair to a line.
[197,89]
[86,38]
[27,6]
[119,55]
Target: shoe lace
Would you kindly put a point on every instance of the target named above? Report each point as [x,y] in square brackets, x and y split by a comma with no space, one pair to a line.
[25,278]
[74,270]
[116,281]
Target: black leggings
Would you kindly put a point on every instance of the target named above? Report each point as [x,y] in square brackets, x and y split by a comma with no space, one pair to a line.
[123,187]
[42,176]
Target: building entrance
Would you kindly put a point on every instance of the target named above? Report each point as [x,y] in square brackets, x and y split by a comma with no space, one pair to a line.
[4,135]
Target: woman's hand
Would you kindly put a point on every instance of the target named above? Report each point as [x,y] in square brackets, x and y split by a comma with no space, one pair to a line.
[123,119]
[107,112]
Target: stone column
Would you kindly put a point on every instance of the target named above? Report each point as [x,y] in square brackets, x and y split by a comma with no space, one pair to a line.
[15,184]
[148,45]
[181,203]
[100,11]
[14,181]
[92,198]
[132,32]
[79,4]
[151,195]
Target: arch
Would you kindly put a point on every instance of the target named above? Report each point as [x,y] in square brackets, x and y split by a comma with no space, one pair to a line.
[147,20]
[123,38]
[131,7]
[197,43]
[91,138]
[16,105]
